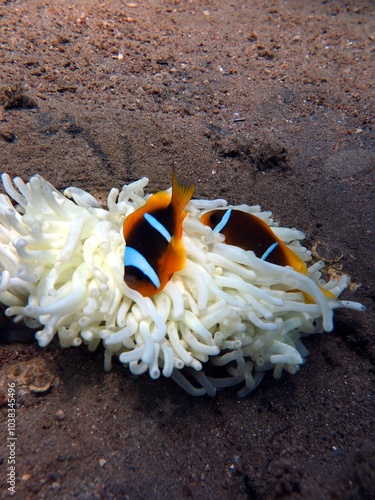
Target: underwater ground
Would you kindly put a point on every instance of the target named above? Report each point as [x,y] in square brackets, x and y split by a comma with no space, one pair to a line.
[268,103]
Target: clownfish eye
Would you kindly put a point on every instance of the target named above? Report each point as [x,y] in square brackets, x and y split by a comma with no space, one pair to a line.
[214,219]
[138,275]
[133,273]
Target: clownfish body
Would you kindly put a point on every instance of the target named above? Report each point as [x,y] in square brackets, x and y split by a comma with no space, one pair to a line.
[251,233]
[152,233]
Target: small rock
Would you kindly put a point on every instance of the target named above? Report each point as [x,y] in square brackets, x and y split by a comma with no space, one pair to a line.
[60,415]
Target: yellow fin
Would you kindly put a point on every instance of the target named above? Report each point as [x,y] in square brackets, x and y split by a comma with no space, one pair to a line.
[293,260]
[327,294]
[181,194]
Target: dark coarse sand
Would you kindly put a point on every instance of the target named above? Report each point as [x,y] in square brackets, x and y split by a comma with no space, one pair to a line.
[259,102]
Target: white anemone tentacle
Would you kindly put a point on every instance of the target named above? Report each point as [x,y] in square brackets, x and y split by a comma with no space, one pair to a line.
[62,271]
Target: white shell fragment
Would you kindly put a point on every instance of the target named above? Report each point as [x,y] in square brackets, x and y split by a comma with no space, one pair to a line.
[61,263]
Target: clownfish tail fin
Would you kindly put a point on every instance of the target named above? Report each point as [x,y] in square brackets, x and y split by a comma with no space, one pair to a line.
[181,194]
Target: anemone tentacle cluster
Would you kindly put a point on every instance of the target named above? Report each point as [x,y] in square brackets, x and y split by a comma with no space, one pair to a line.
[62,271]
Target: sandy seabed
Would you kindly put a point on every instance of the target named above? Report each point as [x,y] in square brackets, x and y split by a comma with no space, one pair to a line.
[268,104]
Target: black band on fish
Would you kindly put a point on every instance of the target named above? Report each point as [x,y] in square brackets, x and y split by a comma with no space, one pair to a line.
[158,226]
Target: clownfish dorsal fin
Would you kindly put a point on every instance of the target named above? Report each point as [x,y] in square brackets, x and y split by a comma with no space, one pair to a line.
[158,200]
[181,194]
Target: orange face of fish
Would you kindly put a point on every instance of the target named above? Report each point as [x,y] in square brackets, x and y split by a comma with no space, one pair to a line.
[154,250]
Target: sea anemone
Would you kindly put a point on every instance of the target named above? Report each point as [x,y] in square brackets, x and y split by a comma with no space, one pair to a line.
[62,271]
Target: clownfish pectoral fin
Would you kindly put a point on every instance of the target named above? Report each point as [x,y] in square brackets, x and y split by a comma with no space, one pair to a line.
[175,256]
[181,194]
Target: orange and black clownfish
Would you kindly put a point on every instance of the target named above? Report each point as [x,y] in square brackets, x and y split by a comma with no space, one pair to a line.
[251,233]
[152,233]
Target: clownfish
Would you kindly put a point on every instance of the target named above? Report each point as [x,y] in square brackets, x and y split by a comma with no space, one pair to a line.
[154,250]
[251,233]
